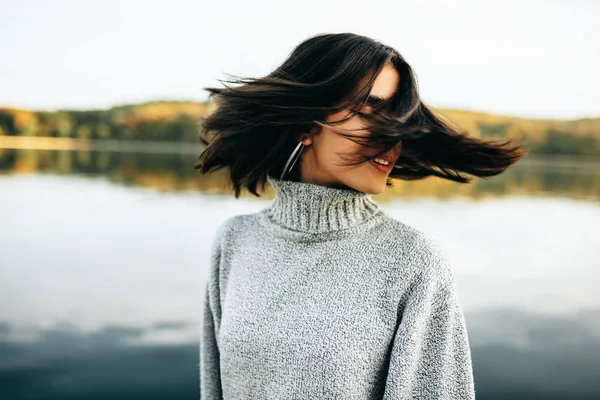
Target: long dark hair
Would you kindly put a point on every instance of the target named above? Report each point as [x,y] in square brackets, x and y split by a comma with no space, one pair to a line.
[258,123]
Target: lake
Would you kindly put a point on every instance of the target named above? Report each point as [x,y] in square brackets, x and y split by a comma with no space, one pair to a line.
[104,256]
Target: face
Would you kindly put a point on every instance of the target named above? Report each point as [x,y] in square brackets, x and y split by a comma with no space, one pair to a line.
[320,164]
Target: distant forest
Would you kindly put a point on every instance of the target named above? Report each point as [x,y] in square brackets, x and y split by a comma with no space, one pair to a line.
[177,121]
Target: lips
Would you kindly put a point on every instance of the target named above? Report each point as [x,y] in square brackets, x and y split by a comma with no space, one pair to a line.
[388,157]
[383,168]
[393,154]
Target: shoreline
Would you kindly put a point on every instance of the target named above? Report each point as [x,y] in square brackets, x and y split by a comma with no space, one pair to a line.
[55,143]
[148,146]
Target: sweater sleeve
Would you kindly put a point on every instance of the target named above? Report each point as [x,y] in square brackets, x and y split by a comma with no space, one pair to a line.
[210,379]
[430,356]
[210,368]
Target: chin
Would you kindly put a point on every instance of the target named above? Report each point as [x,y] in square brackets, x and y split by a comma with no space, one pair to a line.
[372,187]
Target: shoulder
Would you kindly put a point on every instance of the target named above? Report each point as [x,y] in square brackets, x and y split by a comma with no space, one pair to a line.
[232,225]
[422,270]
[224,239]
[418,252]
[225,227]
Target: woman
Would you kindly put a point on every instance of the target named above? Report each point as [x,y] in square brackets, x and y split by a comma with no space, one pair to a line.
[322,294]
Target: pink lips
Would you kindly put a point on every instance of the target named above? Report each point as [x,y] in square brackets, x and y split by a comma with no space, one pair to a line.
[382,168]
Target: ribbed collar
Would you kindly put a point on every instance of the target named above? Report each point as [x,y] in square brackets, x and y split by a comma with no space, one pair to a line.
[313,208]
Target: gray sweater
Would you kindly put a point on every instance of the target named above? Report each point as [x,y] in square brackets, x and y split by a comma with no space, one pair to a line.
[323,295]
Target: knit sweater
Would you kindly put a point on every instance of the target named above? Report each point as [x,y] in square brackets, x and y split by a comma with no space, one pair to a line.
[323,295]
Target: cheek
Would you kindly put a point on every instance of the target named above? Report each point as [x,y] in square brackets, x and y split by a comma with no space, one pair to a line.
[333,150]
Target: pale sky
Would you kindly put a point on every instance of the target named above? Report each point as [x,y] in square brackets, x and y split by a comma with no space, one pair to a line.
[529,58]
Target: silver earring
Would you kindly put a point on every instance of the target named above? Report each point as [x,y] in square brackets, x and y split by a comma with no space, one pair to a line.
[295,155]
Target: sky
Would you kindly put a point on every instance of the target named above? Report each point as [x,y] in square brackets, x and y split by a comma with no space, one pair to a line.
[536,59]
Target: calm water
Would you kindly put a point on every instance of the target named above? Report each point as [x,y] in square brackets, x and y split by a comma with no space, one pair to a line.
[103,258]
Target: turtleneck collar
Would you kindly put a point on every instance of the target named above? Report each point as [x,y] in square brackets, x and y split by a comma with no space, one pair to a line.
[312,208]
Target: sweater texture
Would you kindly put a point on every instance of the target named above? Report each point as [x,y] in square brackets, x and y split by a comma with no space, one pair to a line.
[323,295]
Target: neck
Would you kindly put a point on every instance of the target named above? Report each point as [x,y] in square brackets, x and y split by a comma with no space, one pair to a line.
[312,208]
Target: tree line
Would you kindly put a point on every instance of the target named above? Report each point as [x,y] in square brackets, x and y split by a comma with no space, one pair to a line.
[177,121]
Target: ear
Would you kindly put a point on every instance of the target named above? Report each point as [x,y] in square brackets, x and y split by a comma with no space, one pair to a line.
[307,141]
[306,138]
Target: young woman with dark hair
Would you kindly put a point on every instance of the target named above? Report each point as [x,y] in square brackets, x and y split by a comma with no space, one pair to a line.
[322,294]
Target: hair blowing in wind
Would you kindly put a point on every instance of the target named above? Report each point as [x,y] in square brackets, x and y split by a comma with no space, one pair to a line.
[258,121]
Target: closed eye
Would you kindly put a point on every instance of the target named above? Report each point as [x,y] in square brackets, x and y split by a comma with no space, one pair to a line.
[376,103]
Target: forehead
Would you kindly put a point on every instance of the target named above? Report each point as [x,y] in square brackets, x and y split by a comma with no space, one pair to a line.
[386,82]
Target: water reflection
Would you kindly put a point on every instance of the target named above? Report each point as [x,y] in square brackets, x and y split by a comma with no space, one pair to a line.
[64,363]
[516,355]
[101,279]
[554,177]
[520,355]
